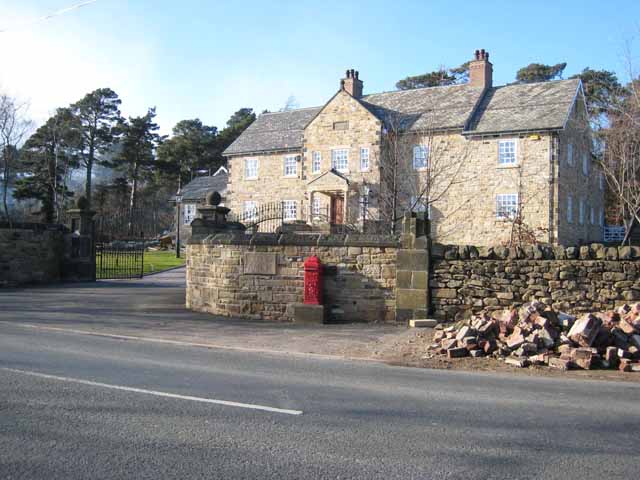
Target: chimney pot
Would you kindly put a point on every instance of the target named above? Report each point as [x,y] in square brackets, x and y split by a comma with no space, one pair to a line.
[481,70]
[352,83]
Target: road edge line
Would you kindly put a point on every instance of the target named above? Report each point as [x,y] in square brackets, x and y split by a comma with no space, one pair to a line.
[157,393]
[181,343]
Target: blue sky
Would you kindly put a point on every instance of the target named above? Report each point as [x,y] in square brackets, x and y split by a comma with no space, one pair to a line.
[206,59]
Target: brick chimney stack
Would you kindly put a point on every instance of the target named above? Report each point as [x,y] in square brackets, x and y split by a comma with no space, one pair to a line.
[481,70]
[352,84]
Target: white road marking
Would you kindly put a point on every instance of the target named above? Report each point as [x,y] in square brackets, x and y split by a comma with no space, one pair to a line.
[155,392]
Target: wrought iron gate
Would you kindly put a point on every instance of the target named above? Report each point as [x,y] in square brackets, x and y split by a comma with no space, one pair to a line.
[120,259]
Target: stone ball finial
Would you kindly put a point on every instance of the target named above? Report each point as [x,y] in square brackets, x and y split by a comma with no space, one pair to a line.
[214,199]
[82,203]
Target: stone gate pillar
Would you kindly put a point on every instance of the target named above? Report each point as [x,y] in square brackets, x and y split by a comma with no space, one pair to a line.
[79,249]
[412,269]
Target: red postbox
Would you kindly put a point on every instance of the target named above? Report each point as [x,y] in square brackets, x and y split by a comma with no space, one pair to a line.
[313,281]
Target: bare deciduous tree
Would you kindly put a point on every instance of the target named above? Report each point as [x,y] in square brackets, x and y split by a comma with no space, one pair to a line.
[14,127]
[619,148]
[522,180]
[420,168]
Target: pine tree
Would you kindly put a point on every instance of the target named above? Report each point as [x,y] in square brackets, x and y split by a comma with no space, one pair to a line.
[48,157]
[193,146]
[97,116]
[437,78]
[236,124]
[538,72]
[602,90]
[136,157]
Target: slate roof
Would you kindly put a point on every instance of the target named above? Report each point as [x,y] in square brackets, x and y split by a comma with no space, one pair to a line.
[425,108]
[510,108]
[534,106]
[274,131]
[198,188]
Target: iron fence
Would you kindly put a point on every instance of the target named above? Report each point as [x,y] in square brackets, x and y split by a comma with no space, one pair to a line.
[268,217]
[121,259]
[130,224]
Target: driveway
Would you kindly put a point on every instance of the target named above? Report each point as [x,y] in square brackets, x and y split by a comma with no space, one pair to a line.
[153,308]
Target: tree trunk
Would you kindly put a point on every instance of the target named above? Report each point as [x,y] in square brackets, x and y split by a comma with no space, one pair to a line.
[50,207]
[133,199]
[87,186]
[5,187]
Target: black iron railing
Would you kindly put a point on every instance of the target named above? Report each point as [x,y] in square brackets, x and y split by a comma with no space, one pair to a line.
[120,259]
[268,217]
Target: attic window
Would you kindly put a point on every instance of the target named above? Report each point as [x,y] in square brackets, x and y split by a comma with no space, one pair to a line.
[341,125]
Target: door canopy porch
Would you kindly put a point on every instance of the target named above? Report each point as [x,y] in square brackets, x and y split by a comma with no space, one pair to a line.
[334,185]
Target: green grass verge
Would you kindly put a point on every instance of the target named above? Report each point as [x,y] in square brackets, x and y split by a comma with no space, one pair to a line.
[161,260]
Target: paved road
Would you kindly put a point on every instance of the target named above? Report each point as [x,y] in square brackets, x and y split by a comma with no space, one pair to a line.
[105,408]
[154,307]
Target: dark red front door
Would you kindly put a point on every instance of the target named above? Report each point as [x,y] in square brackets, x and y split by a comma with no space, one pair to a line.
[337,210]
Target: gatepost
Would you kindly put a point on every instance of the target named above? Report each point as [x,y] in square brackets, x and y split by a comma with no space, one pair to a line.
[412,269]
[79,249]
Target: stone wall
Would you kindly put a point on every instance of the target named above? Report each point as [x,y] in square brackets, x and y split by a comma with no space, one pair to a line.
[31,255]
[262,276]
[588,278]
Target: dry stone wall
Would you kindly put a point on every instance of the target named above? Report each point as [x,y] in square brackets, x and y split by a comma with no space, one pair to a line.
[262,276]
[30,256]
[465,279]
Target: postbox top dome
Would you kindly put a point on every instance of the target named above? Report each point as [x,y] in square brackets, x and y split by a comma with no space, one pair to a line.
[312,261]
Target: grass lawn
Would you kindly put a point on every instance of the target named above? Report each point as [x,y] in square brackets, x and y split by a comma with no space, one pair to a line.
[161,260]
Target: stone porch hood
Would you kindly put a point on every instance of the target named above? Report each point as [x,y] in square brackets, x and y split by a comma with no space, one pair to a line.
[329,183]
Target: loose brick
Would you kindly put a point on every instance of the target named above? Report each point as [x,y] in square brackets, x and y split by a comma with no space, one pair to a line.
[457,352]
[584,331]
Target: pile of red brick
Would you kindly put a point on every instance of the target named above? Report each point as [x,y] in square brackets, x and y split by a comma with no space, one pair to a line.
[537,335]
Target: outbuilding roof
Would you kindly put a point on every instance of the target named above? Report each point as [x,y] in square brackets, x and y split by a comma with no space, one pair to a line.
[198,188]
[509,108]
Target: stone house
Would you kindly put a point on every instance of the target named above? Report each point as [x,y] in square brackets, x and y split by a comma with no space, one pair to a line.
[489,163]
[194,195]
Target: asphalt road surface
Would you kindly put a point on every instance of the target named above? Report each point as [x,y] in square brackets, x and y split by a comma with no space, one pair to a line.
[75,406]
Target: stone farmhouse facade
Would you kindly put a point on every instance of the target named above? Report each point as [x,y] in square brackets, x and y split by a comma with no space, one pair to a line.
[485,161]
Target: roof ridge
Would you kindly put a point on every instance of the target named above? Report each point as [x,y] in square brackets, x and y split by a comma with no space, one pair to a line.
[364,97]
[418,88]
[289,111]
[544,82]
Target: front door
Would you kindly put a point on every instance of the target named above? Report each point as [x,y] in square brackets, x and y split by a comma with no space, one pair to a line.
[337,210]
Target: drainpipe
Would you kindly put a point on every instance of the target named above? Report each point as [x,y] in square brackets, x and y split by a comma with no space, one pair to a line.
[553,187]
